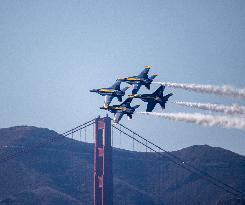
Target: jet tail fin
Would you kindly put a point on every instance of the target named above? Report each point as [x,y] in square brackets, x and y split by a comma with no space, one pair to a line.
[163,105]
[116,85]
[144,73]
[168,96]
[152,77]
[159,91]
[136,106]
[124,89]
[148,86]
[165,99]
[119,98]
[130,116]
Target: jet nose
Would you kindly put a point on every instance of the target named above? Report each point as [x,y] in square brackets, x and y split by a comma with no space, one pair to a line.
[93,90]
[105,107]
[121,79]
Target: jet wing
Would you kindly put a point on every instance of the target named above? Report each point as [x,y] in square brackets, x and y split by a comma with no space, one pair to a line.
[116,85]
[144,73]
[108,99]
[118,116]
[150,106]
[127,102]
[136,88]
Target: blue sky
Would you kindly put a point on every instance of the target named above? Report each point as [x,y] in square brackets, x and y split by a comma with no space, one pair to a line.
[53,52]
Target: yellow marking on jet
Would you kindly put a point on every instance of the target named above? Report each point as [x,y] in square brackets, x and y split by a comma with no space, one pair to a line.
[119,108]
[148,66]
[106,90]
[133,79]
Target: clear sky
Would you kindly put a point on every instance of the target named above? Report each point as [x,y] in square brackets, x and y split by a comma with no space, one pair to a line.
[53,52]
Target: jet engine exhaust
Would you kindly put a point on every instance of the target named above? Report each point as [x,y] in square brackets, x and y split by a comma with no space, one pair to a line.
[201,119]
[225,90]
[227,109]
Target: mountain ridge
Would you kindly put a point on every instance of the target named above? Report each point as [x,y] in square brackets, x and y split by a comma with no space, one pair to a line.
[65,166]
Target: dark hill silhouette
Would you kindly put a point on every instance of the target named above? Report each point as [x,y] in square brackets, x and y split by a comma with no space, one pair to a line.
[61,173]
[41,196]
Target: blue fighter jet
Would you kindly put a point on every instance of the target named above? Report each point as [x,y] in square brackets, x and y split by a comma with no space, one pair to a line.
[120,110]
[139,80]
[154,98]
[111,92]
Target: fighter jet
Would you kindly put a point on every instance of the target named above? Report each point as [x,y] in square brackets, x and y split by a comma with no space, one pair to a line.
[139,80]
[111,92]
[154,98]
[120,110]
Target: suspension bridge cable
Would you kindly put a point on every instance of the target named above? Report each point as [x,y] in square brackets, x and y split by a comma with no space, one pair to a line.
[181,165]
[44,143]
[85,134]
[80,135]
[75,129]
[112,136]
[182,161]
[33,147]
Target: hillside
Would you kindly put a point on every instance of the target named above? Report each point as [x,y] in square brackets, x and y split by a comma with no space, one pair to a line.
[61,172]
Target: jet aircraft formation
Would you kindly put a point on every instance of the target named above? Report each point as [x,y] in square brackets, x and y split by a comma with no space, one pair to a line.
[136,82]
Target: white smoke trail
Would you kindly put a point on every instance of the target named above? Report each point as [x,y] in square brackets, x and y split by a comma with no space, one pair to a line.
[231,110]
[218,90]
[205,120]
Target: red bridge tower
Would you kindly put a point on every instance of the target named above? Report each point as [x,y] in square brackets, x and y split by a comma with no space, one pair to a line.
[103,177]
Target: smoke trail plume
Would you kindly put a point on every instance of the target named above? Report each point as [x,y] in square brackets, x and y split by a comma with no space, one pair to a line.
[205,120]
[231,110]
[218,90]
